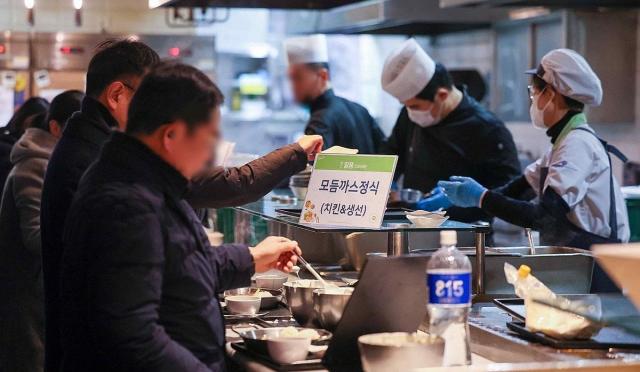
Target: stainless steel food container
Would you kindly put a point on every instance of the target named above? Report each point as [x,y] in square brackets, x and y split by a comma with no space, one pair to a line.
[376,357]
[300,302]
[564,270]
[329,304]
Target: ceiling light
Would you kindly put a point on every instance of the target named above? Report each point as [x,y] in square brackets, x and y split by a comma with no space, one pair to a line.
[29,4]
[77,4]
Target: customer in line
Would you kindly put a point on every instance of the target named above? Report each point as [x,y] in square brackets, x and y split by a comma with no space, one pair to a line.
[15,128]
[113,76]
[21,297]
[139,277]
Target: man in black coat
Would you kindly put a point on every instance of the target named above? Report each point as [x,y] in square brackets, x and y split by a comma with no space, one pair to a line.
[139,277]
[442,131]
[339,121]
[112,78]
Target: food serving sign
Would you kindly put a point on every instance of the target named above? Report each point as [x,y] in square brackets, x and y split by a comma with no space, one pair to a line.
[348,190]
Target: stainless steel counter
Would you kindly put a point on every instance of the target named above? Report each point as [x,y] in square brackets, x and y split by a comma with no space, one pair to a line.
[497,349]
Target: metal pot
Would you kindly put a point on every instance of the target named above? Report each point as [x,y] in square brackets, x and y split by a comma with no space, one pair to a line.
[329,304]
[299,298]
[400,351]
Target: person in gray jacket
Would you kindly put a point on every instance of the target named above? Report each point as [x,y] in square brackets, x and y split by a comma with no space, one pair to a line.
[21,293]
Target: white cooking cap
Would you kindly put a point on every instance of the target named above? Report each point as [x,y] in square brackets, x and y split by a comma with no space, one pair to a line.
[307,49]
[407,71]
[570,74]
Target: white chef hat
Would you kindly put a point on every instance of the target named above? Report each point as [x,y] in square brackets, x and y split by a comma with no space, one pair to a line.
[407,71]
[570,74]
[307,49]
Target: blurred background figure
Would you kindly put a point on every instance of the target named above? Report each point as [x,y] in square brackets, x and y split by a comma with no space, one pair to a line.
[15,128]
[339,121]
[21,294]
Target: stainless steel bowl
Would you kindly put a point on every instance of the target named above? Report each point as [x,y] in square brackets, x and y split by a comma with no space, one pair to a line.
[400,351]
[242,304]
[266,302]
[329,304]
[256,339]
[299,297]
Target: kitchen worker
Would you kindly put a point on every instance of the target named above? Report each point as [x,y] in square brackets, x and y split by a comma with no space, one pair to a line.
[579,203]
[113,76]
[442,131]
[339,121]
[140,281]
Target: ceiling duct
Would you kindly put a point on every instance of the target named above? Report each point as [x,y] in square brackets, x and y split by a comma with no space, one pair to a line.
[565,4]
[402,17]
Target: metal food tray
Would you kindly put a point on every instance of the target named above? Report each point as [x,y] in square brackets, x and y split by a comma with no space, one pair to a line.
[309,364]
[564,270]
[607,338]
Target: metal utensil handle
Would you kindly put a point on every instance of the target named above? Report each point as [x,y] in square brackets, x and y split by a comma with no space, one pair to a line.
[311,270]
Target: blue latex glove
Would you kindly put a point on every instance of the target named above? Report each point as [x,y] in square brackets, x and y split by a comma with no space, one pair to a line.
[436,200]
[463,191]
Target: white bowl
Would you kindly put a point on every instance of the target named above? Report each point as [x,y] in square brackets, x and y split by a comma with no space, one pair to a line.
[287,350]
[430,220]
[271,281]
[243,305]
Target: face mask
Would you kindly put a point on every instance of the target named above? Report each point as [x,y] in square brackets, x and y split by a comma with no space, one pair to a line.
[423,118]
[537,115]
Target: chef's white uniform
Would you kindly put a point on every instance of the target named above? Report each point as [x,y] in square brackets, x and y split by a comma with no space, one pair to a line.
[579,172]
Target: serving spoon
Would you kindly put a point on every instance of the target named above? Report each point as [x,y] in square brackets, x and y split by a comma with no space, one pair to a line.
[313,272]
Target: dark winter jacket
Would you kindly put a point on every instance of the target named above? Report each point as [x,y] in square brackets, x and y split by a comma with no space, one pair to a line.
[21,296]
[139,278]
[85,133]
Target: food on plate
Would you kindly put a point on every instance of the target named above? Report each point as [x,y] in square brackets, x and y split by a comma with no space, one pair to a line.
[399,339]
[292,332]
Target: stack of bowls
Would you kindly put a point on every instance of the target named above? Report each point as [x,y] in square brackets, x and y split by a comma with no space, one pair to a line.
[299,183]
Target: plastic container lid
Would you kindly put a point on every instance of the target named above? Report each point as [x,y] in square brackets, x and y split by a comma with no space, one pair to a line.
[524,271]
[448,237]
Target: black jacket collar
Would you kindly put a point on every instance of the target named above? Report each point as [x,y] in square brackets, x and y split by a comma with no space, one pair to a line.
[92,123]
[323,100]
[555,130]
[138,160]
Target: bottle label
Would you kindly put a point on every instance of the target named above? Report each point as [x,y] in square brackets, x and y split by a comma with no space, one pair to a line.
[449,288]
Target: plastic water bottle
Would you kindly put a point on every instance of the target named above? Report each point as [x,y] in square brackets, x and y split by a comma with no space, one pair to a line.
[449,290]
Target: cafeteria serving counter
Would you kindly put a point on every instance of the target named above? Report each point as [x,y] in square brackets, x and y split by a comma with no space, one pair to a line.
[283,219]
[495,348]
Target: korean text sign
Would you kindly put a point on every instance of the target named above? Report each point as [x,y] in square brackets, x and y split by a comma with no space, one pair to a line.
[349,190]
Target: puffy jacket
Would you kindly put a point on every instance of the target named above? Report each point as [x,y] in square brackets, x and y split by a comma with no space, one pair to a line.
[83,137]
[139,278]
[21,297]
